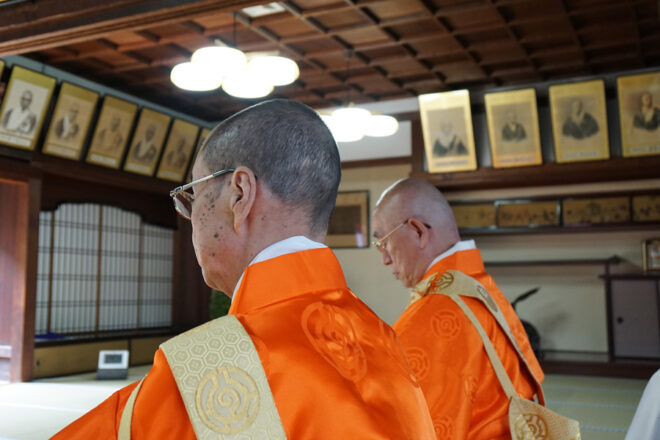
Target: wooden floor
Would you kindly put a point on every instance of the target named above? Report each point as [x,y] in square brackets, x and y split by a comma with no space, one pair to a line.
[37,410]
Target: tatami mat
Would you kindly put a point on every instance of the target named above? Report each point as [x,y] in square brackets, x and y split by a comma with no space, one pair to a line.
[37,410]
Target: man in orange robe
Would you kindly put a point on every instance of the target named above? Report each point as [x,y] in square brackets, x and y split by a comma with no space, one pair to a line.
[417,235]
[265,185]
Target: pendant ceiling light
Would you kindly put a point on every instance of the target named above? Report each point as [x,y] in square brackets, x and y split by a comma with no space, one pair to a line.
[350,123]
[242,75]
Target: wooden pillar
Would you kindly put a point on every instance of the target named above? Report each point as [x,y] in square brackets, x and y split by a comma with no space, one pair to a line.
[190,294]
[19,247]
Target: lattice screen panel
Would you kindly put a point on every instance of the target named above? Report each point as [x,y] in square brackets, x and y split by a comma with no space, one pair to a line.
[101,269]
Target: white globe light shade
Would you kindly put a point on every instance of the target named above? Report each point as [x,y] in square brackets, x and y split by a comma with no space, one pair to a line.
[188,76]
[246,85]
[223,60]
[342,133]
[381,126]
[279,71]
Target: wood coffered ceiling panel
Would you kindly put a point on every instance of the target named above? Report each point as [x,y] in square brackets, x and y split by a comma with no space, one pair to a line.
[398,48]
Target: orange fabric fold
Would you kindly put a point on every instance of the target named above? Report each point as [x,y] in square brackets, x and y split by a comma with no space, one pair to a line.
[465,398]
[334,368]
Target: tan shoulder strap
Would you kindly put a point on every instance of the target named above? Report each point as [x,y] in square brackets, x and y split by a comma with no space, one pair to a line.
[455,284]
[124,432]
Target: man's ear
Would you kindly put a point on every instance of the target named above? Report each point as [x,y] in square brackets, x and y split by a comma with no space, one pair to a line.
[421,231]
[243,196]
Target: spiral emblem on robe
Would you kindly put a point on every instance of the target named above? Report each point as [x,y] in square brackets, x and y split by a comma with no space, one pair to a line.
[328,328]
[227,400]
[419,362]
[443,428]
[483,293]
[444,281]
[445,324]
[531,427]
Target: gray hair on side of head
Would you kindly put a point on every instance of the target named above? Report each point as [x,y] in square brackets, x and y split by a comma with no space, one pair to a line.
[288,147]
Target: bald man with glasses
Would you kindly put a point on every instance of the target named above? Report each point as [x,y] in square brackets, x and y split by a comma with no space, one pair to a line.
[416,234]
[299,356]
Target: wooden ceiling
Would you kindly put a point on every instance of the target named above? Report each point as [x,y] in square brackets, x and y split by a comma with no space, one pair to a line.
[398,48]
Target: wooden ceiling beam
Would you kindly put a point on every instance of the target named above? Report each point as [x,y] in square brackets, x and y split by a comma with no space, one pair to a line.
[31,26]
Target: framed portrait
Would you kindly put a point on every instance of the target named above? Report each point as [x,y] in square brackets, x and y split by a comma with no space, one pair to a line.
[349,223]
[646,208]
[639,114]
[579,121]
[597,210]
[147,142]
[178,149]
[447,129]
[24,107]
[70,122]
[111,133]
[513,128]
[202,137]
[478,215]
[651,254]
[527,214]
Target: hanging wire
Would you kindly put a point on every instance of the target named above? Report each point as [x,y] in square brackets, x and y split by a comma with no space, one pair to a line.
[234,31]
[349,55]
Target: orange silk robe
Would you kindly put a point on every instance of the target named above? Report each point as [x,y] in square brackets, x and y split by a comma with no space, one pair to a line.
[446,354]
[336,371]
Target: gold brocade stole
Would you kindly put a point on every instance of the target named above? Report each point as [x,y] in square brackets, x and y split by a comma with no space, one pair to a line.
[222,382]
[527,419]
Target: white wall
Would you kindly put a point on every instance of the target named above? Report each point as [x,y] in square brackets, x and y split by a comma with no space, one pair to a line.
[365,273]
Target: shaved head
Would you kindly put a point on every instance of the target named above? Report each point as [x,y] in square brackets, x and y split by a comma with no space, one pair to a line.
[430,227]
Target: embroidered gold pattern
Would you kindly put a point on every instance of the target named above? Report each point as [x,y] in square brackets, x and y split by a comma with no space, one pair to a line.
[531,427]
[487,298]
[445,324]
[446,280]
[227,400]
[329,330]
[419,362]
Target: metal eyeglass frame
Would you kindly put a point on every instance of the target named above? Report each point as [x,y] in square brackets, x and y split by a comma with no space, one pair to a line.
[182,199]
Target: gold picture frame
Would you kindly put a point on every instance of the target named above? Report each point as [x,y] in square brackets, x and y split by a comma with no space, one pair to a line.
[178,149]
[527,214]
[579,121]
[646,208]
[71,121]
[349,223]
[202,137]
[478,215]
[651,254]
[147,142]
[596,210]
[111,133]
[24,107]
[513,128]
[639,114]
[448,133]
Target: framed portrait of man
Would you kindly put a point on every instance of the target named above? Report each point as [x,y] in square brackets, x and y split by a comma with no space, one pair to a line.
[639,114]
[513,128]
[447,129]
[202,137]
[178,149]
[24,107]
[579,121]
[111,133]
[147,142]
[70,122]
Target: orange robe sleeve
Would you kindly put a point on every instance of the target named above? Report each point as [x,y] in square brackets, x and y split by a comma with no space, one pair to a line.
[159,411]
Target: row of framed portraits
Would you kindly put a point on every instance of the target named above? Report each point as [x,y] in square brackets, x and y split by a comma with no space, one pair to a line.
[25,107]
[579,124]
[579,211]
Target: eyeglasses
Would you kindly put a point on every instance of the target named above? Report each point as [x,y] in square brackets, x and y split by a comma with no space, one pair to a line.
[379,243]
[184,199]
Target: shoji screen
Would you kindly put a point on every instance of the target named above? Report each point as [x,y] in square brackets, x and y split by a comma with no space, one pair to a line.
[101,269]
